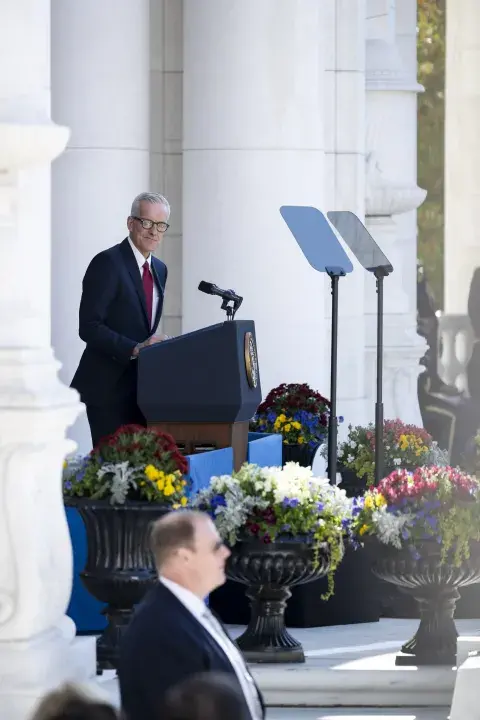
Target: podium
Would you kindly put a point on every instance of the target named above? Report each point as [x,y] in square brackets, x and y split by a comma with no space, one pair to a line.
[203,387]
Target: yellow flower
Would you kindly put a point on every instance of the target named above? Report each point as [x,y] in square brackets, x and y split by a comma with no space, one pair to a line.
[65,464]
[296,425]
[301,440]
[281,418]
[169,490]
[152,473]
[363,529]
[184,482]
[175,506]
[160,484]
[379,500]
[369,503]
[287,427]
[183,501]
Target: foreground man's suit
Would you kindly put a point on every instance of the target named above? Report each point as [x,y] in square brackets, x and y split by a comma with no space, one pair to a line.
[164,645]
[113,320]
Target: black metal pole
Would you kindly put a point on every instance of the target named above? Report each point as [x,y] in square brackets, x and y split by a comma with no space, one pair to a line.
[332,427]
[379,454]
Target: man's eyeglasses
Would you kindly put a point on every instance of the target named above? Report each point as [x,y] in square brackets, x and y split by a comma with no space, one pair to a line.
[148,224]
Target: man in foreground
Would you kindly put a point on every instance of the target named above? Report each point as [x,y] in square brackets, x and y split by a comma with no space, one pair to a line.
[121,306]
[173,635]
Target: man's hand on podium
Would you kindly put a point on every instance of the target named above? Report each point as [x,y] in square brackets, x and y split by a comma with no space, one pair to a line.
[152,340]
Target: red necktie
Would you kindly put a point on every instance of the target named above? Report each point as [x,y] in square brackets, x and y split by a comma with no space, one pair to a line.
[148,289]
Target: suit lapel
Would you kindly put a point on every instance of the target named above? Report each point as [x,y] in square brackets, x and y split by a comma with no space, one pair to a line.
[160,289]
[132,267]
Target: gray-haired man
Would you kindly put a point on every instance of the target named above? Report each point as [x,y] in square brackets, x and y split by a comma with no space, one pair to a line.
[121,306]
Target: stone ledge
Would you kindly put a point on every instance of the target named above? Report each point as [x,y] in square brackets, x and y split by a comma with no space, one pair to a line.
[465,696]
[365,682]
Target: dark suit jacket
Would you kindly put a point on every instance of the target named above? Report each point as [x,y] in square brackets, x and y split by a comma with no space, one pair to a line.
[163,645]
[113,320]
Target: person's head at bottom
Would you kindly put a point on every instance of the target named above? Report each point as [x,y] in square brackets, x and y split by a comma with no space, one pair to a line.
[68,703]
[189,551]
[208,696]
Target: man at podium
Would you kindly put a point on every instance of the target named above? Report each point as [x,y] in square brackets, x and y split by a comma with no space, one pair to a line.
[120,309]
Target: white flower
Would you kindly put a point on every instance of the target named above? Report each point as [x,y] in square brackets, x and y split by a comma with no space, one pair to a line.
[389,526]
[397,461]
[254,487]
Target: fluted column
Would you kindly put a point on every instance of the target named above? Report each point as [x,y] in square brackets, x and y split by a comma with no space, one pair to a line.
[253,141]
[36,650]
[392,197]
[462,151]
[100,89]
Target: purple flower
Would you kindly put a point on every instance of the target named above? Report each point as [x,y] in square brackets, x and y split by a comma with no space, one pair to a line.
[320,507]
[68,485]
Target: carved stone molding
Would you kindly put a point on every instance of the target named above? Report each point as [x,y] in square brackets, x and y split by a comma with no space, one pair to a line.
[385,197]
[384,69]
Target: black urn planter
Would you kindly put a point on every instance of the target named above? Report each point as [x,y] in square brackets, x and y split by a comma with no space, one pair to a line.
[269,570]
[120,567]
[301,454]
[434,586]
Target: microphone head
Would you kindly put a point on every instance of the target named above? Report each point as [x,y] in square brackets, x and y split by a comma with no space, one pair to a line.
[206,287]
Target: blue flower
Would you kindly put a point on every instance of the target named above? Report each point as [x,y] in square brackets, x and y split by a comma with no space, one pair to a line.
[68,485]
[290,502]
[340,419]
[320,506]
[218,500]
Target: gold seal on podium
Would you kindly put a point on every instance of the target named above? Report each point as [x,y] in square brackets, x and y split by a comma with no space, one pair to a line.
[251,361]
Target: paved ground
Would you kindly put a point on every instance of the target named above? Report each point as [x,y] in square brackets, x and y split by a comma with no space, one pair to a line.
[357,714]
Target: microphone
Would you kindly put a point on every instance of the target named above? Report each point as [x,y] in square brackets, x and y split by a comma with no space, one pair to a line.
[211,289]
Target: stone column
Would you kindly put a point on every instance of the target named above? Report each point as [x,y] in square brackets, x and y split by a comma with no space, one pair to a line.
[344,38]
[462,152]
[392,196]
[100,89]
[253,141]
[36,650]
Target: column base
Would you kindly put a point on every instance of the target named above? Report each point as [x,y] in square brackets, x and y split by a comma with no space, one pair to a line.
[31,668]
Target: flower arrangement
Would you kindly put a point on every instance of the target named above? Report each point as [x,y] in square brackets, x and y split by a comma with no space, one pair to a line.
[134,463]
[404,446]
[439,503]
[296,411]
[274,503]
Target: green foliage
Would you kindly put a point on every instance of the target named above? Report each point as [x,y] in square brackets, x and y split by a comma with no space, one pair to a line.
[271,504]
[432,503]
[431,132]
[403,446]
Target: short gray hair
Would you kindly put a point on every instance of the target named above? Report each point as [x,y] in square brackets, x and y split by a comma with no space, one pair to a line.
[154,198]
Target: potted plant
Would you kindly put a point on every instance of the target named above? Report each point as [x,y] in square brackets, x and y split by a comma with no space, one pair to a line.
[127,481]
[425,528]
[284,527]
[405,446]
[300,414]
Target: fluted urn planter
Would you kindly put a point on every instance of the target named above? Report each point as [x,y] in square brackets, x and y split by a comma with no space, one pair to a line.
[434,586]
[120,567]
[270,570]
[302,454]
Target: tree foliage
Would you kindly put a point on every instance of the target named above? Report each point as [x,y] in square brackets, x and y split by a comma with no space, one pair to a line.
[431,130]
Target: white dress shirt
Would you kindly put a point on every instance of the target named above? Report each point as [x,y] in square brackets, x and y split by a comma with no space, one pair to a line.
[200,611]
[141,262]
